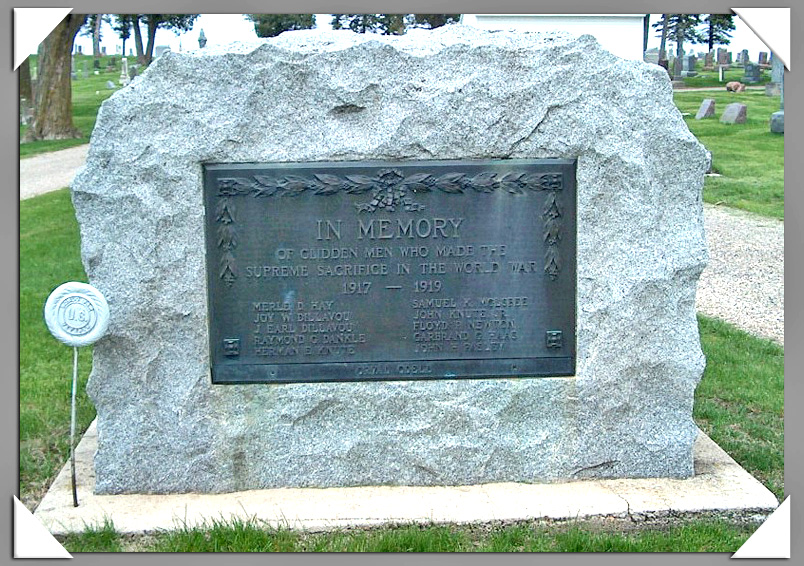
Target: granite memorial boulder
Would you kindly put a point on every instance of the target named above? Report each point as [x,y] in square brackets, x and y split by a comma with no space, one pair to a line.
[455,93]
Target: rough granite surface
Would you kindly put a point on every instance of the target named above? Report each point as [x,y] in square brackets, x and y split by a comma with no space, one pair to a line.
[455,92]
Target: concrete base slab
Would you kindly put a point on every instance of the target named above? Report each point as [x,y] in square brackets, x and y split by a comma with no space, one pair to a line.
[719,485]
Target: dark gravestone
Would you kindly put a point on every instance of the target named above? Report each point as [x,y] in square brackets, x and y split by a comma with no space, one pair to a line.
[777,122]
[744,58]
[688,66]
[763,58]
[96,64]
[735,113]
[777,70]
[295,283]
[752,73]
[707,109]
[709,61]
[722,58]
[729,58]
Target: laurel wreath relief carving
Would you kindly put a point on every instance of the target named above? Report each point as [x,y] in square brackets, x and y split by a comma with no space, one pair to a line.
[390,190]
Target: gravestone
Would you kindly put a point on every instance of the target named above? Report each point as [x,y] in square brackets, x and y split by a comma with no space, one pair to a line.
[161,50]
[763,57]
[777,122]
[729,58]
[124,77]
[688,66]
[740,57]
[734,113]
[744,58]
[411,209]
[709,61]
[652,56]
[706,110]
[85,69]
[96,63]
[777,74]
[777,70]
[752,73]
[722,58]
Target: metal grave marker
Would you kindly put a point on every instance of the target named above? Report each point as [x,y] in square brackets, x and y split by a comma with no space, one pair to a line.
[351,271]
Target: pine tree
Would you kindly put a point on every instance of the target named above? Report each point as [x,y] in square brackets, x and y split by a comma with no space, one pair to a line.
[271,25]
[718,28]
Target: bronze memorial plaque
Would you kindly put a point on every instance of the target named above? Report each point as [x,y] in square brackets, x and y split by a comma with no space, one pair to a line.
[391,270]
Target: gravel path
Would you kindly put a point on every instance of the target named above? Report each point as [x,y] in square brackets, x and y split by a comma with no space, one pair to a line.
[50,171]
[743,283]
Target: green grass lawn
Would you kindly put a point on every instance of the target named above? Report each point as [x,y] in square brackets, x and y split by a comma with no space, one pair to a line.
[749,158]
[739,403]
[707,535]
[712,78]
[88,94]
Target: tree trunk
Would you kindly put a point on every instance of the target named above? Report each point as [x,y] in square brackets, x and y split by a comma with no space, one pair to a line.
[26,91]
[96,51]
[711,36]
[138,40]
[663,44]
[149,50]
[645,33]
[680,28]
[53,118]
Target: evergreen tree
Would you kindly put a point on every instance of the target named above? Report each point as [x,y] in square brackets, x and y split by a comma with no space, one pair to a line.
[122,26]
[718,27]
[433,21]
[390,24]
[175,22]
[271,25]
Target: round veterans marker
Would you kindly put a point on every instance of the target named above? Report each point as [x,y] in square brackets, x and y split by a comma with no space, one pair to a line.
[78,315]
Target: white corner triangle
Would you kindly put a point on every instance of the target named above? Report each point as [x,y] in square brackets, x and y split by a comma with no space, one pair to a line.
[31,26]
[772,26]
[772,538]
[31,538]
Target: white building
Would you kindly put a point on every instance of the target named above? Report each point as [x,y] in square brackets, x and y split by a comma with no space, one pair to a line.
[620,34]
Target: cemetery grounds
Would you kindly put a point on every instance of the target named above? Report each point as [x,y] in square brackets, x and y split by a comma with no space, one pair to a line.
[739,402]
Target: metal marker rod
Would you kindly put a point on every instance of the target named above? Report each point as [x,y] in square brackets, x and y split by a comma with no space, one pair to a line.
[72,424]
